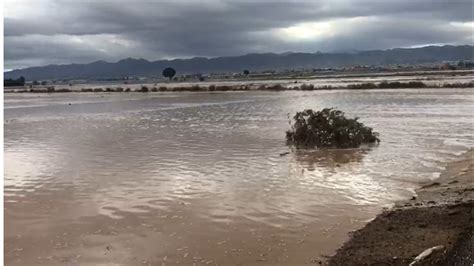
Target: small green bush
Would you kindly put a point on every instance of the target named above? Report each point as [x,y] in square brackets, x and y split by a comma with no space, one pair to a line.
[328,128]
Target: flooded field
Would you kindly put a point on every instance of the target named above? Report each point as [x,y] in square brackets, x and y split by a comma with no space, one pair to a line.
[197,178]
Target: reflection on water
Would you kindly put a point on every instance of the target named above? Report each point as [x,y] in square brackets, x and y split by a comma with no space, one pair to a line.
[328,158]
[187,178]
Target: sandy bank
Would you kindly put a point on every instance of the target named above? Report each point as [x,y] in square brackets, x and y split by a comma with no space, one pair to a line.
[440,215]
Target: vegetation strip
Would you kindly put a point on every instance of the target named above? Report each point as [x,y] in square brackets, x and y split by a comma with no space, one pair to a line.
[276,87]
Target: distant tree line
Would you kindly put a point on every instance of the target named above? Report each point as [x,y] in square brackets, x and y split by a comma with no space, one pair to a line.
[36,83]
[14,82]
[466,64]
[170,72]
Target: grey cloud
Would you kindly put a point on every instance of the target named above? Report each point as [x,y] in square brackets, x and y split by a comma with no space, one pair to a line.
[391,33]
[185,29]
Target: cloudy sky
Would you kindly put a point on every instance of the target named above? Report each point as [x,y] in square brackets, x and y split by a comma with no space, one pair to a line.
[61,32]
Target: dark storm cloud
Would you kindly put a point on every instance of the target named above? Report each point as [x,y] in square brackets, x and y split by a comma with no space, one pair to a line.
[64,32]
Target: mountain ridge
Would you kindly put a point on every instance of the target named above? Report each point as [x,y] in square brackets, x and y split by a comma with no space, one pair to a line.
[253,62]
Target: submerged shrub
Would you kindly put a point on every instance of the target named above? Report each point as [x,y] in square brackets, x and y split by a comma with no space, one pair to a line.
[307,87]
[244,87]
[328,128]
[195,88]
[276,87]
[223,88]
[415,84]
[361,86]
[398,84]
[326,87]
[458,85]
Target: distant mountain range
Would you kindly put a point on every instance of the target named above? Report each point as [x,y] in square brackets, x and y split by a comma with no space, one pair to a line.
[252,62]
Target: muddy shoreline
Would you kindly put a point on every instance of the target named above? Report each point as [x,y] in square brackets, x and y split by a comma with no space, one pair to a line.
[440,215]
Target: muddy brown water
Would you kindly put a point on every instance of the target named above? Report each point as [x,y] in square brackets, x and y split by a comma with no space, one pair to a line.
[197,178]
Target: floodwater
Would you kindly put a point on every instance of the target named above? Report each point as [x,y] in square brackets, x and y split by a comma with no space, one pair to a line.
[199,179]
